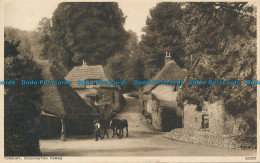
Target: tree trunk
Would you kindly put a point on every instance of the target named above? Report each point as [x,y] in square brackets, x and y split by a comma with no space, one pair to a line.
[79,128]
[182,118]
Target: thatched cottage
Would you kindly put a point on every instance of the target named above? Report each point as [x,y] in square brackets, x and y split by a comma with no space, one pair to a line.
[159,102]
[100,95]
[63,110]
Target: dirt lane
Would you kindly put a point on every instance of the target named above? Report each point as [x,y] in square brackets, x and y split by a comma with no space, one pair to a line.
[142,141]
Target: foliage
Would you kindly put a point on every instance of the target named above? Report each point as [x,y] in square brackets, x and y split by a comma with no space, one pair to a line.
[160,35]
[11,49]
[131,46]
[225,40]
[175,27]
[94,32]
[122,67]
[229,47]
[28,46]
[127,65]
[91,31]
[20,110]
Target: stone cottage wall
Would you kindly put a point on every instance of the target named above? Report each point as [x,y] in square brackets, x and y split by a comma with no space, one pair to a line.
[109,102]
[164,118]
[219,120]
[112,97]
[192,118]
[116,101]
[216,114]
[161,117]
[105,96]
[157,113]
[222,122]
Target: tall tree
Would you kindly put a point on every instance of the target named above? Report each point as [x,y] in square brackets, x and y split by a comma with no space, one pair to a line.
[25,46]
[128,64]
[226,36]
[131,46]
[21,109]
[91,31]
[161,34]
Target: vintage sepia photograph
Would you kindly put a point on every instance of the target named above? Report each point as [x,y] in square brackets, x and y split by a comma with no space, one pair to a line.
[129,79]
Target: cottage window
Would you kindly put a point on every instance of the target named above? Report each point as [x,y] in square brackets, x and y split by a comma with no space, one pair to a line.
[198,108]
[93,81]
[205,121]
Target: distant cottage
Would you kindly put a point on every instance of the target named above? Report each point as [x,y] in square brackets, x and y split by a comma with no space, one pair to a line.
[159,102]
[100,95]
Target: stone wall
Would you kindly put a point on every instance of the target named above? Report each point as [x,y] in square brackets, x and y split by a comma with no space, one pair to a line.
[192,118]
[164,118]
[106,96]
[157,113]
[215,112]
[111,97]
[219,120]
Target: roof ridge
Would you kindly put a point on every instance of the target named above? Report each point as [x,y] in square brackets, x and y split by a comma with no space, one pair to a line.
[170,72]
[96,72]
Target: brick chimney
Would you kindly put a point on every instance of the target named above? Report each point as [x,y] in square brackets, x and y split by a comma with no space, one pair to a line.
[168,57]
[84,62]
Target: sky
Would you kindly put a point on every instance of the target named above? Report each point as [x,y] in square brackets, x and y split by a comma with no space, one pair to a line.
[25,14]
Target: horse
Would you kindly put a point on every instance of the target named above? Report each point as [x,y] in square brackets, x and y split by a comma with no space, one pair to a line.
[101,125]
[117,124]
[105,126]
[113,125]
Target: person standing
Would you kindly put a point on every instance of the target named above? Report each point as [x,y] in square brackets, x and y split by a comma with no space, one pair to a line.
[97,129]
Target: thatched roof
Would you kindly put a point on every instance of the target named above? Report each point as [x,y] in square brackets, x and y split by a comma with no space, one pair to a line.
[170,72]
[86,72]
[61,100]
[162,92]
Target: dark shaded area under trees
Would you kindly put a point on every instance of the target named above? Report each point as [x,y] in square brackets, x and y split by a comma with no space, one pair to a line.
[20,103]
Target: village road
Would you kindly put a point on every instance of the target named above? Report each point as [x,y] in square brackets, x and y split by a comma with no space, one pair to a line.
[142,141]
